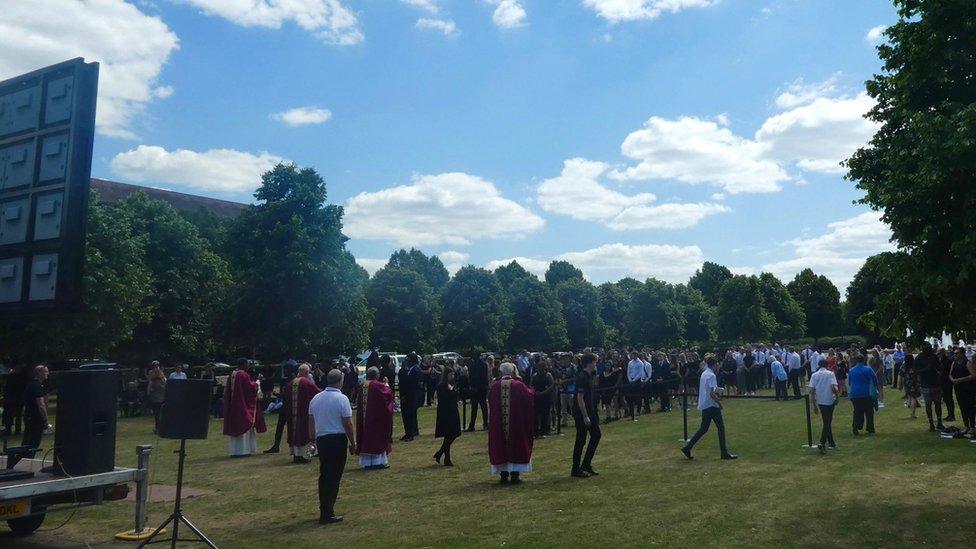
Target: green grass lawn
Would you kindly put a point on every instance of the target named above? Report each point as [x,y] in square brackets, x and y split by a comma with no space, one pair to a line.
[901,487]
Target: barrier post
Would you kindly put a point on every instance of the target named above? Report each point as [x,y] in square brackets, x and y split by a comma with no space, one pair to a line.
[806,399]
[464,412]
[559,411]
[684,413]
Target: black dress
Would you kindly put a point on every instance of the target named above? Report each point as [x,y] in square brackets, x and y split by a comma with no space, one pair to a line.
[448,418]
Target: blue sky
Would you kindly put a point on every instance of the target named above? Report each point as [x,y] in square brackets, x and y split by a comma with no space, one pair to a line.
[633,137]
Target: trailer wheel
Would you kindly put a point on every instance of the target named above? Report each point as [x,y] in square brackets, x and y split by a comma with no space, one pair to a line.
[26,525]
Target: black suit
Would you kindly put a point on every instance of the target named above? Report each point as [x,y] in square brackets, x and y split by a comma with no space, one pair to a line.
[478,377]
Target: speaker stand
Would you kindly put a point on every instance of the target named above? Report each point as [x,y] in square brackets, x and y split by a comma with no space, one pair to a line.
[177,516]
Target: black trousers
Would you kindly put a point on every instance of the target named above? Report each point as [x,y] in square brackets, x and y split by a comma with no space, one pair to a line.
[863,412]
[408,414]
[950,404]
[543,406]
[710,415]
[279,427]
[827,433]
[966,398]
[13,410]
[794,378]
[664,395]
[895,373]
[33,432]
[581,433]
[781,390]
[479,398]
[332,462]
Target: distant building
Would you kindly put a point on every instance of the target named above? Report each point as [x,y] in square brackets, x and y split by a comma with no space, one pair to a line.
[111,192]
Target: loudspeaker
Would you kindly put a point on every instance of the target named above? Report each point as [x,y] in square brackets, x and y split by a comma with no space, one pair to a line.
[186,410]
[84,440]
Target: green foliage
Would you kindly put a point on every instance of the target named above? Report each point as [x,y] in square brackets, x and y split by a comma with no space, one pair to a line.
[475,312]
[561,271]
[288,257]
[697,313]
[537,317]
[868,284]
[615,301]
[787,313]
[655,317]
[741,314]
[581,308]
[842,342]
[431,268]
[211,227]
[508,275]
[350,336]
[709,279]
[820,300]
[404,310]
[920,167]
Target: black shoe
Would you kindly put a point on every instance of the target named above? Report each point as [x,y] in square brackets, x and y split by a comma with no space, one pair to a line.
[940,427]
[730,456]
[516,479]
[437,456]
[448,463]
[406,439]
[272,450]
[855,431]
[504,479]
[821,448]
[299,459]
[332,519]
[471,430]
[687,452]
[951,418]
[931,427]
[590,471]
[579,473]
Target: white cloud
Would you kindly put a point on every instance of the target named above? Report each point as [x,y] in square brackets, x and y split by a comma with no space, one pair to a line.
[329,20]
[454,260]
[508,14]
[303,116]
[839,252]
[446,26]
[819,134]
[447,208]
[875,35]
[220,170]
[538,267]
[131,47]
[578,193]
[747,271]
[697,151]
[718,196]
[615,261]
[631,10]
[800,93]
[430,6]
[371,265]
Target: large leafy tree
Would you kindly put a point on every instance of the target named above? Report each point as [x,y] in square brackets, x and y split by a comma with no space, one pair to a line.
[790,320]
[709,279]
[656,318]
[741,314]
[614,304]
[508,275]
[537,317]
[561,271]
[405,311]
[475,311]
[431,268]
[697,313]
[189,283]
[352,334]
[920,167]
[288,258]
[820,301]
[880,303]
[580,301]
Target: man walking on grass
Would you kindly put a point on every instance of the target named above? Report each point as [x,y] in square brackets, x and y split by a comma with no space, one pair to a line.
[586,418]
[823,392]
[709,402]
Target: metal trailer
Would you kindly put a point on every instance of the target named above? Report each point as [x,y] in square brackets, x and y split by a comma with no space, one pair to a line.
[25,503]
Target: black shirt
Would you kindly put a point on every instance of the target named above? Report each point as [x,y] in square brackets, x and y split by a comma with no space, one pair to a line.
[584,386]
[34,391]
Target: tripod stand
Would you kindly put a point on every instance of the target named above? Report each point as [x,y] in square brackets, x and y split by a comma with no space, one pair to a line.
[177,516]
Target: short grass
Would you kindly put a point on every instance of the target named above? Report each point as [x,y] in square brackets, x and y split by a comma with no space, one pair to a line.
[901,487]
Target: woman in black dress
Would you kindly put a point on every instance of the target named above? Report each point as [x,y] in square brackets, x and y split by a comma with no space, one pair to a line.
[448,420]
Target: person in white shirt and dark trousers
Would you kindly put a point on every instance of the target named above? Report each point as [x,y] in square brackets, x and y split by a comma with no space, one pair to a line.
[330,422]
[824,391]
[709,402]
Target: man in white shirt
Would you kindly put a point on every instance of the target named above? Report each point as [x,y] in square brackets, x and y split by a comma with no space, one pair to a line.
[823,392]
[793,369]
[330,422]
[178,373]
[709,402]
[813,362]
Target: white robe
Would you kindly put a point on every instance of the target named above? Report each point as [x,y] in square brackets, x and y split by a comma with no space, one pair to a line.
[243,445]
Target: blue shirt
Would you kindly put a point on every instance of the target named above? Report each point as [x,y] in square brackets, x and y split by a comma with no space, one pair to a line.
[178,375]
[861,377]
[778,371]
[899,356]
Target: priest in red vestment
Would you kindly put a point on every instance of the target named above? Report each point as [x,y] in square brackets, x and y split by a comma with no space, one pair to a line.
[242,418]
[511,409]
[295,397]
[374,422]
